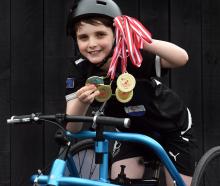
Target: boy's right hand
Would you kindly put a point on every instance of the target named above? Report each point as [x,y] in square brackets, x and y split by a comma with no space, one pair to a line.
[87,93]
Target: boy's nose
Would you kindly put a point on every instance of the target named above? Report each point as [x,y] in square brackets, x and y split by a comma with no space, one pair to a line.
[92,42]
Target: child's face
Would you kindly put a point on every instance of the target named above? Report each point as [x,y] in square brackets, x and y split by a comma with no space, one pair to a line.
[94,41]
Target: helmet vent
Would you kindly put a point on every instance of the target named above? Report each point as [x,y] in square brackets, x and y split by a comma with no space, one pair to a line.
[101,2]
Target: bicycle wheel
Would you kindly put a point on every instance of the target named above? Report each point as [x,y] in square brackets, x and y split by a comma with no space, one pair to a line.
[83,155]
[207,170]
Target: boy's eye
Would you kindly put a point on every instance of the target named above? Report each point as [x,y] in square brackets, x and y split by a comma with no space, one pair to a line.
[101,34]
[82,37]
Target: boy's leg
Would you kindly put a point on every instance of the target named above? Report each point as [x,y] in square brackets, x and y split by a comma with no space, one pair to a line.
[130,155]
[182,150]
[169,180]
[133,170]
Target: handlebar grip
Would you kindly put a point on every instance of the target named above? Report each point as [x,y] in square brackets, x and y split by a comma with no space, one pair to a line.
[102,120]
[21,119]
[111,121]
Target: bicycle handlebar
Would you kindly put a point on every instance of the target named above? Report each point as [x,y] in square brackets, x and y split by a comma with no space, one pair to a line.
[102,120]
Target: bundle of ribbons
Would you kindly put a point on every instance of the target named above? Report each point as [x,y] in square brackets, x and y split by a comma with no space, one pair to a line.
[130,36]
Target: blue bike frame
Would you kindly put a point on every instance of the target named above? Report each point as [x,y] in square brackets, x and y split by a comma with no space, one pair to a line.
[57,177]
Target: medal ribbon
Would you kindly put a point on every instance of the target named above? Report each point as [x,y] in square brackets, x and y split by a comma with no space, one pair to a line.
[130,37]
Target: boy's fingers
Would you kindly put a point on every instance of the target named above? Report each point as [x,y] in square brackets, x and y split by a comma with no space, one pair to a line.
[87,94]
[86,89]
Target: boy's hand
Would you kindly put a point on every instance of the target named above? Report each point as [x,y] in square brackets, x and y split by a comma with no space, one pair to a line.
[87,93]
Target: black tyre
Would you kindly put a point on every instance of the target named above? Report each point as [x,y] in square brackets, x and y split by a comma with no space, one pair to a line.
[83,155]
[208,168]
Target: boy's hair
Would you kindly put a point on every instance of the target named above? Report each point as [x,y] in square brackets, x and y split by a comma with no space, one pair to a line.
[94,21]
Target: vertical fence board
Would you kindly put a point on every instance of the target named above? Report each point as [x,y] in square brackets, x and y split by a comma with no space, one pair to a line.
[211,72]
[129,7]
[54,67]
[154,15]
[26,87]
[185,31]
[4,92]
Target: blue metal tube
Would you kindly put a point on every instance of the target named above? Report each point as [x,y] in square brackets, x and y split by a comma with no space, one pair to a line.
[102,147]
[71,181]
[82,182]
[57,172]
[139,138]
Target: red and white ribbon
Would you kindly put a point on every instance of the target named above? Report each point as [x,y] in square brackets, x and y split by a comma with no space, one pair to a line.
[130,36]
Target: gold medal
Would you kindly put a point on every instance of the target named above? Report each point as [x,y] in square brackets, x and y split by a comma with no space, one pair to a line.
[105,93]
[95,80]
[123,97]
[126,82]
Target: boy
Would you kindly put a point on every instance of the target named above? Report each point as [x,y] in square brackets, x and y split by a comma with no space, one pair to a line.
[91,26]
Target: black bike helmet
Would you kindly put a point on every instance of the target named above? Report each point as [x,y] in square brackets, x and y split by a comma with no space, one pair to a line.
[91,8]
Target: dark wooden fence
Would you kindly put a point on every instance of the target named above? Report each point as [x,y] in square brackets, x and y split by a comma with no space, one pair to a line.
[33,56]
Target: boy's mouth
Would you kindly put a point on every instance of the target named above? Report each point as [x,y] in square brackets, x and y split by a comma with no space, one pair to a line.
[94,52]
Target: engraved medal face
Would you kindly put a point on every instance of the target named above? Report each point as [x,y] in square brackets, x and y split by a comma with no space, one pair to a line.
[126,82]
[123,97]
[95,80]
[105,93]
